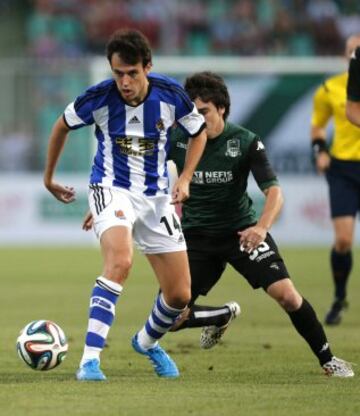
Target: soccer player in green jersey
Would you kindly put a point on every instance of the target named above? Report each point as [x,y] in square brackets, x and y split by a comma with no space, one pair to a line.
[220,225]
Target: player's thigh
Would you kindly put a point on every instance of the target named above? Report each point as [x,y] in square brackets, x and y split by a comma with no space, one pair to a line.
[173,274]
[117,249]
[206,264]
[113,218]
[110,207]
[262,267]
[158,229]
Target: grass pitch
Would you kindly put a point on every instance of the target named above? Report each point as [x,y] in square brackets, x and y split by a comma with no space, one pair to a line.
[262,367]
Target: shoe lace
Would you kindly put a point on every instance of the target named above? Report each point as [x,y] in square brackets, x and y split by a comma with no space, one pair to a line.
[159,358]
[93,365]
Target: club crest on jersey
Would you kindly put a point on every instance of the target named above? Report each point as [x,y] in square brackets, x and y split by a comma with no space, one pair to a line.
[233,148]
[160,125]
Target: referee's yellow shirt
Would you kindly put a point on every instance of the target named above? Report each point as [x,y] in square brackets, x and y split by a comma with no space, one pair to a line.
[329,101]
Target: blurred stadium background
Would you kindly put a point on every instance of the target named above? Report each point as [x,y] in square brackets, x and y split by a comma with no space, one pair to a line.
[273,54]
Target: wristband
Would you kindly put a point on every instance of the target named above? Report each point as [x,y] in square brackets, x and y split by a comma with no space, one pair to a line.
[353,84]
[318,146]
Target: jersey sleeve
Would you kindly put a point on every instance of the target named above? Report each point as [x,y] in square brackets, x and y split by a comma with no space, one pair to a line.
[178,139]
[187,115]
[80,112]
[260,165]
[171,152]
[322,110]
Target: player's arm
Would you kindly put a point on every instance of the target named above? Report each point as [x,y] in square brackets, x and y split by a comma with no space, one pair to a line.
[196,146]
[266,179]
[56,144]
[321,114]
[319,148]
[273,203]
[353,89]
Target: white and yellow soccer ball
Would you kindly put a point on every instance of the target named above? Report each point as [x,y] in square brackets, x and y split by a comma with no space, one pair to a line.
[42,345]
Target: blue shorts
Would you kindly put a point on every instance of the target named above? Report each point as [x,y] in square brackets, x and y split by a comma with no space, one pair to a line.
[344,187]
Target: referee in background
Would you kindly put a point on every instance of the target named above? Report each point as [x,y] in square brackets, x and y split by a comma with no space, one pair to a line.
[340,162]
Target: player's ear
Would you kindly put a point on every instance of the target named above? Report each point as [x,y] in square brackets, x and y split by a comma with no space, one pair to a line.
[147,67]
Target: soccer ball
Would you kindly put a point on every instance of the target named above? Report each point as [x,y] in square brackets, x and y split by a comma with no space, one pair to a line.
[42,345]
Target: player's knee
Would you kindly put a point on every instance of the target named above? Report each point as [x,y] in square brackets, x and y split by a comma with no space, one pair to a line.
[343,244]
[290,300]
[119,268]
[179,299]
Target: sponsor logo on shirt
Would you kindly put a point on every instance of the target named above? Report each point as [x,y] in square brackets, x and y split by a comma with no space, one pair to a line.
[198,177]
[201,177]
[145,147]
[134,120]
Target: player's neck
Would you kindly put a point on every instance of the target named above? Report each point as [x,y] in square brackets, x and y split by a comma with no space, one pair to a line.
[217,130]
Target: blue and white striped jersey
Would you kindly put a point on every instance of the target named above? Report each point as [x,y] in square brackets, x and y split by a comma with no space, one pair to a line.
[133,141]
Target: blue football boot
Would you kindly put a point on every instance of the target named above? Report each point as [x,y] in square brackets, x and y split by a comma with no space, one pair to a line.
[90,371]
[163,365]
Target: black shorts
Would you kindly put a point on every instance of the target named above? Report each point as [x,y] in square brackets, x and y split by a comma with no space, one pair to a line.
[208,257]
[344,187]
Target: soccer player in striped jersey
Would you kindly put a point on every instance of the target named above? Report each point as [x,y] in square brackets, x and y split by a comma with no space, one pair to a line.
[353,89]
[341,164]
[128,192]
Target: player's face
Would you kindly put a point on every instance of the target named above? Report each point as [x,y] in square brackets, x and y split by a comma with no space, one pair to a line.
[131,80]
[352,43]
[213,117]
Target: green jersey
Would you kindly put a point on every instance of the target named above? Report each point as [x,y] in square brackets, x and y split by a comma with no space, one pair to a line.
[218,200]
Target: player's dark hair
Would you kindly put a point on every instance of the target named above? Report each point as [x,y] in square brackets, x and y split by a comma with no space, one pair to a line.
[130,45]
[209,86]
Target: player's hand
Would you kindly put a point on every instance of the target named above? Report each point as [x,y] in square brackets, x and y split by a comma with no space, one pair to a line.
[251,237]
[65,194]
[88,221]
[323,162]
[180,190]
